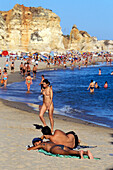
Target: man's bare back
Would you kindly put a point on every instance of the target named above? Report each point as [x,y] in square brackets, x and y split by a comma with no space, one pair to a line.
[69,139]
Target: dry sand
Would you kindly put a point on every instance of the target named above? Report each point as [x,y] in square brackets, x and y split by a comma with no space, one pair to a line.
[17,131]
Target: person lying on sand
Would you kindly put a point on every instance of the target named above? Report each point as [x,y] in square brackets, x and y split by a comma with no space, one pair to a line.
[69,139]
[57,149]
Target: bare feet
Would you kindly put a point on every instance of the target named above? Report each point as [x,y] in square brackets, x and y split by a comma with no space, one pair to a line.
[90,155]
[81,154]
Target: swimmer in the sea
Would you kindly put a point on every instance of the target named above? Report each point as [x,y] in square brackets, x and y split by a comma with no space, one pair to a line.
[99,72]
[106,85]
[96,85]
[91,87]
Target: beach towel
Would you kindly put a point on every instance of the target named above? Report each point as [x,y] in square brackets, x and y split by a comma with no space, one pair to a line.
[62,156]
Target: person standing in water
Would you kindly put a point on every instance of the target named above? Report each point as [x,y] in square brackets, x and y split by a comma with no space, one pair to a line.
[96,85]
[28,82]
[47,103]
[91,86]
[41,83]
[106,85]
[34,71]
[99,72]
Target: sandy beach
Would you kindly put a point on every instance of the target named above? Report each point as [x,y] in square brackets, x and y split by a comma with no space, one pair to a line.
[17,131]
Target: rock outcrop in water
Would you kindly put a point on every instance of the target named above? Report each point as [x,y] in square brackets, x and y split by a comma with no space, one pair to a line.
[38,29]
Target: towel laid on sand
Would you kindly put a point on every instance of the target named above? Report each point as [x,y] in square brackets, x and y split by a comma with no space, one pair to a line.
[62,156]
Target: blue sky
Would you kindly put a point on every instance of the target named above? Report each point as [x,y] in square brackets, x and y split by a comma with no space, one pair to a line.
[93,16]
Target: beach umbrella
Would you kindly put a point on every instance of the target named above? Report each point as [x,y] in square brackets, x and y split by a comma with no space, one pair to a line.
[5,53]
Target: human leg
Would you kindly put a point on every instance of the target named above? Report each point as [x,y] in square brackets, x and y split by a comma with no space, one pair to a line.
[67,151]
[41,115]
[51,116]
[28,87]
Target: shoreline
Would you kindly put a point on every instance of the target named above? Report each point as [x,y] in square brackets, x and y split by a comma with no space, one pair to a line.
[17,131]
[16,77]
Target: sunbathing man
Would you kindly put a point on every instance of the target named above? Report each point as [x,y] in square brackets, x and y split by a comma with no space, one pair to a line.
[69,139]
[57,149]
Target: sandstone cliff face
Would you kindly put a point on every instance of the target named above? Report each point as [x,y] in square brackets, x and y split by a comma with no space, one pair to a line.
[38,29]
[82,41]
[31,29]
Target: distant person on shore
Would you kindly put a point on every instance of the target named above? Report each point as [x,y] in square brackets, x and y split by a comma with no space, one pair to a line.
[96,85]
[28,68]
[57,149]
[0,72]
[21,67]
[28,82]
[106,85]
[47,103]
[91,87]
[7,64]
[99,72]
[5,77]
[34,71]
[24,70]
[12,67]
[41,83]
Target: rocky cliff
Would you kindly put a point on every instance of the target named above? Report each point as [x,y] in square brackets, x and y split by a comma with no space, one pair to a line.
[30,29]
[82,41]
[38,29]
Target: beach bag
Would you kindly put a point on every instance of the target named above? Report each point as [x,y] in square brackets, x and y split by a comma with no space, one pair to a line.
[2,81]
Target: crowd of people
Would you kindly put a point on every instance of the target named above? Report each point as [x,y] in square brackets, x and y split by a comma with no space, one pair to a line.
[59,142]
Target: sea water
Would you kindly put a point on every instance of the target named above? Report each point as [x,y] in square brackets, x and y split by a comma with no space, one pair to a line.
[71,97]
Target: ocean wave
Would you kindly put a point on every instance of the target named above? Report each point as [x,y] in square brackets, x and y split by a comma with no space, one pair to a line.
[69,109]
[40,98]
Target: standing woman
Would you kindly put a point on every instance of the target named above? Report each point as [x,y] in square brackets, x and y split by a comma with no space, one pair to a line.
[28,82]
[12,67]
[5,77]
[47,103]
[91,86]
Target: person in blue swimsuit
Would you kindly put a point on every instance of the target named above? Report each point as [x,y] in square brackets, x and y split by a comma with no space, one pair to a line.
[5,77]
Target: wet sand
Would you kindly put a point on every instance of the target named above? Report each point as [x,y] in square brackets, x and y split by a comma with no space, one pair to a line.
[17,131]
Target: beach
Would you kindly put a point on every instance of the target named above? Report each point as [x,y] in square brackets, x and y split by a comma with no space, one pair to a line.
[17,131]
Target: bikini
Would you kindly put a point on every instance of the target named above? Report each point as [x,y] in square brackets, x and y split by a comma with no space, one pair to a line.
[92,88]
[62,147]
